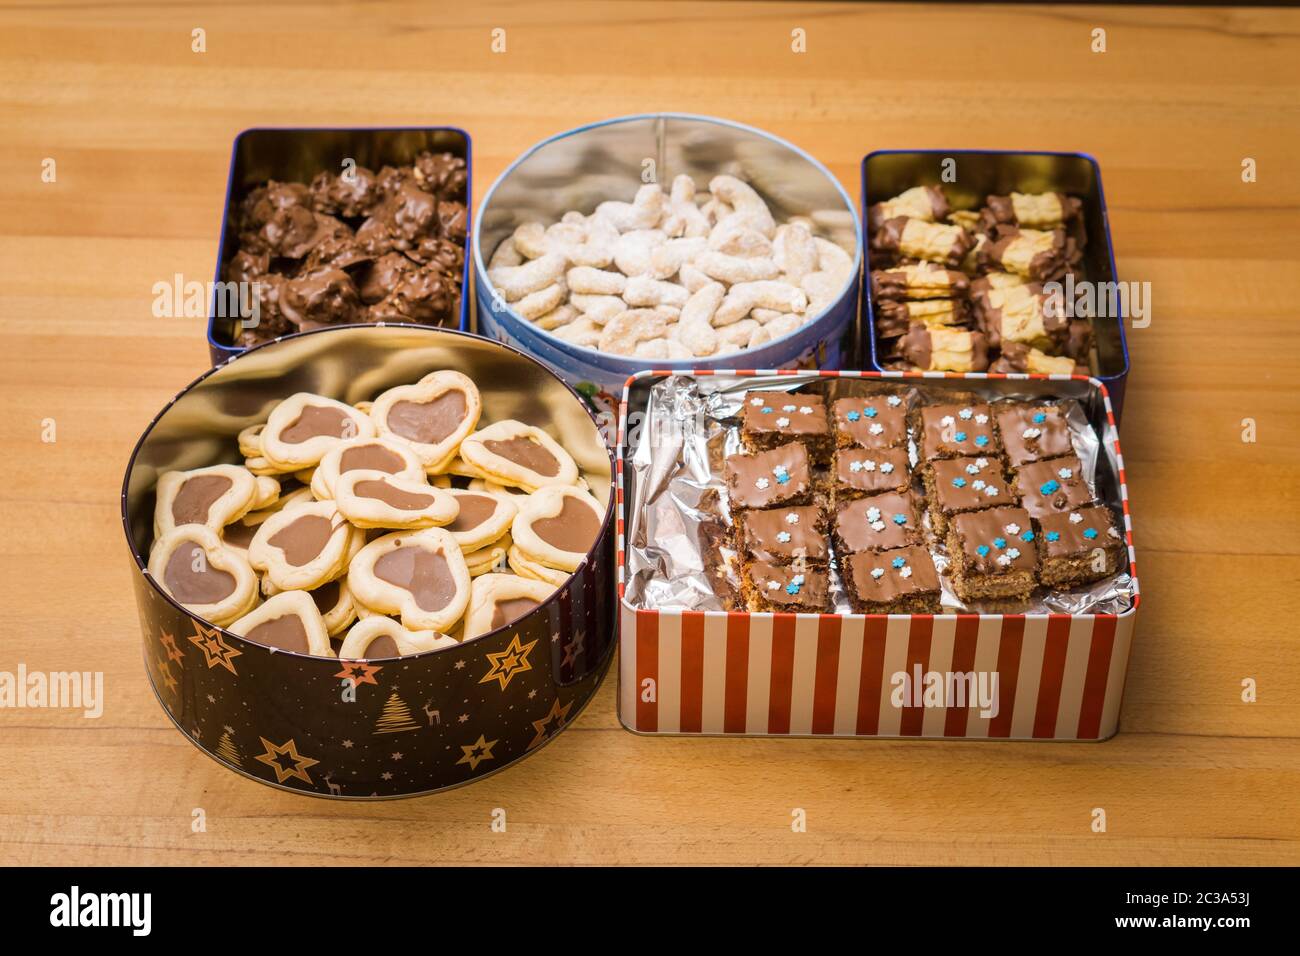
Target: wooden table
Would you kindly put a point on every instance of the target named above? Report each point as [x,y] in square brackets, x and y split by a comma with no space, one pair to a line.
[140,129]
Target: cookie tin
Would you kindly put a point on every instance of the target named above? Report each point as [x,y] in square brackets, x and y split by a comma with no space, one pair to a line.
[580,168]
[386,728]
[296,154]
[1058,676]
[980,173]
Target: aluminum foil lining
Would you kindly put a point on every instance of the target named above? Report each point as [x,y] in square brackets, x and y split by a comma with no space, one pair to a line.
[679,549]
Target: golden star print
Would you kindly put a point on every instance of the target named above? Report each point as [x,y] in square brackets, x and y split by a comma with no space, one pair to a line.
[506,664]
[286,761]
[549,725]
[174,653]
[164,669]
[477,752]
[359,672]
[214,647]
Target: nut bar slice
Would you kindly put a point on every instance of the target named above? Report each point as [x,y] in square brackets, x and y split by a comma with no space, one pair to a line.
[789,589]
[993,554]
[878,523]
[857,472]
[902,581]
[954,485]
[784,535]
[870,421]
[956,431]
[1080,547]
[779,476]
[1031,432]
[774,418]
[1052,486]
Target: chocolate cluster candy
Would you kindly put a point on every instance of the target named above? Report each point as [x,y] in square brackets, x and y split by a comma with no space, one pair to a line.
[354,247]
[963,290]
[997,487]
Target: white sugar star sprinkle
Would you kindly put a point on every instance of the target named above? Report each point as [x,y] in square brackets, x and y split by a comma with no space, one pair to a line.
[1075,518]
[978,483]
[877,572]
[762,484]
[1112,532]
[783,537]
[894,401]
[797,579]
[876,428]
[981,419]
[756,402]
[972,469]
[792,518]
[805,409]
[886,468]
[868,465]
[947,420]
[905,571]
[966,413]
[991,490]
[855,466]
[1066,472]
[873,514]
[877,526]
[1012,528]
[982,462]
[782,422]
[1004,559]
[1031,433]
[771,585]
[1013,553]
[787,408]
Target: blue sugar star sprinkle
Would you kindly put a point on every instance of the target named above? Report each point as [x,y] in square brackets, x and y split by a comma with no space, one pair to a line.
[870,411]
[767,409]
[960,436]
[1053,536]
[853,416]
[982,550]
[900,519]
[792,588]
[999,542]
[959,482]
[1040,418]
[982,440]
[1050,487]
[1027,536]
[782,478]
[1090,533]
[898,562]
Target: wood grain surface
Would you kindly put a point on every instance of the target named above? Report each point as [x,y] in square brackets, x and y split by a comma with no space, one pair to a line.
[140,128]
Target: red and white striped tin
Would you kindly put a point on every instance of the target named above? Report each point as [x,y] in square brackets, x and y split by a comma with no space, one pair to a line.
[1043,676]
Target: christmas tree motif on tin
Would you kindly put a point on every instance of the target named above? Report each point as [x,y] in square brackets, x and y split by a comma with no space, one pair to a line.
[396,718]
[227,750]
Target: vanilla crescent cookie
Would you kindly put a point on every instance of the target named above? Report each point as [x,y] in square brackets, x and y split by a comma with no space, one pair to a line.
[303,427]
[557,527]
[433,416]
[525,567]
[211,580]
[212,497]
[372,454]
[420,575]
[488,557]
[377,638]
[512,453]
[483,517]
[290,621]
[373,499]
[497,600]
[302,547]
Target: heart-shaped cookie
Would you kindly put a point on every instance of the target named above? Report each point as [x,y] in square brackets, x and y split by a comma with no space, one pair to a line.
[558,527]
[304,427]
[483,517]
[290,621]
[378,638]
[433,416]
[302,547]
[420,575]
[211,580]
[365,454]
[523,456]
[498,600]
[373,499]
[212,497]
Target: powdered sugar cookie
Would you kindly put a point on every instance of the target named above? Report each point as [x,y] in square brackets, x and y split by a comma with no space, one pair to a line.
[372,499]
[287,622]
[483,517]
[372,454]
[304,427]
[433,416]
[420,575]
[302,547]
[497,600]
[212,497]
[512,453]
[377,638]
[211,580]
[557,527]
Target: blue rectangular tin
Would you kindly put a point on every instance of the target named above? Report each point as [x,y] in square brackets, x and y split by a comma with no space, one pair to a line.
[982,172]
[296,154]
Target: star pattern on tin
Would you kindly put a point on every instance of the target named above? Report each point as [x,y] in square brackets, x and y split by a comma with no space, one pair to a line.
[549,725]
[285,760]
[572,651]
[174,653]
[477,752]
[214,647]
[359,672]
[165,670]
[504,665]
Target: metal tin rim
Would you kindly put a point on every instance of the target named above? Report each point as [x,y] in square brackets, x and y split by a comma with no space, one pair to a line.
[142,565]
[231,350]
[621,364]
